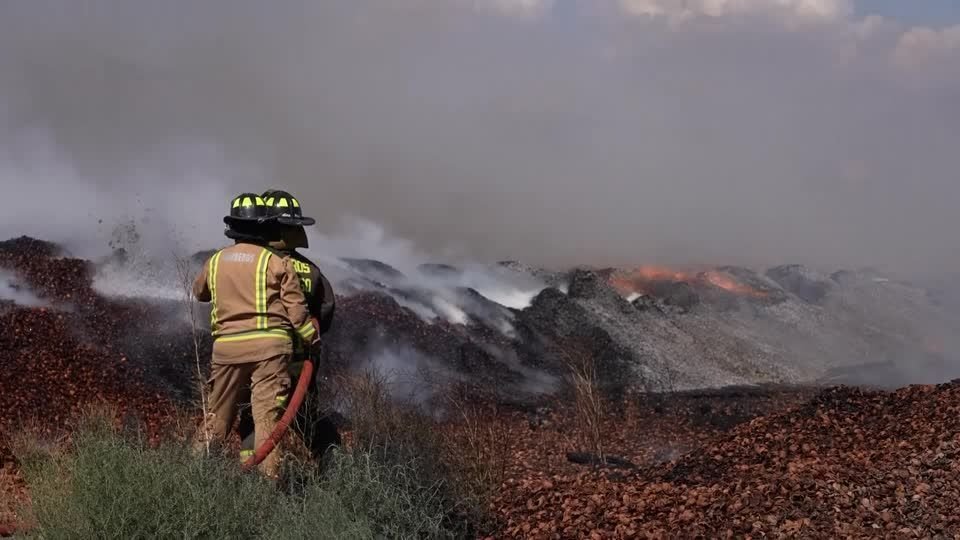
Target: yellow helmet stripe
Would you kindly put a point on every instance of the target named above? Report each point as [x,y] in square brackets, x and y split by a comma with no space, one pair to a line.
[283,203]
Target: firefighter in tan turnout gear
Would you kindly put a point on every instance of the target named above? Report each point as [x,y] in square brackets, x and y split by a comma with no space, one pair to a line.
[285,233]
[257,308]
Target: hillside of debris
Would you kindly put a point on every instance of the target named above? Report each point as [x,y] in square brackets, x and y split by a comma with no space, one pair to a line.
[689,448]
[670,330]
[506,326]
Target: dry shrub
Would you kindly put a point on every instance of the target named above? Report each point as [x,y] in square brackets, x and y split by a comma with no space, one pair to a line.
[186,283]
[398,434]
[588,401]
[476,446]
[382,426]
[452,436]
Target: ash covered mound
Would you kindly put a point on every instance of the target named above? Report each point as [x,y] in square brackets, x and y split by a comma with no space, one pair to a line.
[507,325]
[732,325]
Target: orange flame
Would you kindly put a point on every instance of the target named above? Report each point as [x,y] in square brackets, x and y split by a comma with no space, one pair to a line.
[727,282]
[640,279]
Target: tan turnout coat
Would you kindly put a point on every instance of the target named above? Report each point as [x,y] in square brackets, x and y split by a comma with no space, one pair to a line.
[257,302]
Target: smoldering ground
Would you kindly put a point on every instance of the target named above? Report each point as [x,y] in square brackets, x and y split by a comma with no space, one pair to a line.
[12,289]
[552,132]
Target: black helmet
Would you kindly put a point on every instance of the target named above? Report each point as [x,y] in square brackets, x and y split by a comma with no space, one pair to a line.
[285,208]
[246,208]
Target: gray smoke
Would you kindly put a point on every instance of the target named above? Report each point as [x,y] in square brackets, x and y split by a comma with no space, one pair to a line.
[551,132]
[14,290]
[408,374]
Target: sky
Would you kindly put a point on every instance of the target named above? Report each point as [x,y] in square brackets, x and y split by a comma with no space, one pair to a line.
[754,132]
[935,13]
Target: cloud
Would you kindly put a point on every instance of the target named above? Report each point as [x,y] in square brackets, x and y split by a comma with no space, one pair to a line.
[921,45]
[525,9]
[551,132]
[807,9]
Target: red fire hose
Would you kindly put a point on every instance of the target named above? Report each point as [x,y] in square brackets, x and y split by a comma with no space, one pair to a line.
[281,428]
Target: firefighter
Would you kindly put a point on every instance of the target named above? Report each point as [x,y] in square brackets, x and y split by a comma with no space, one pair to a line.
[287,228]
[258,310]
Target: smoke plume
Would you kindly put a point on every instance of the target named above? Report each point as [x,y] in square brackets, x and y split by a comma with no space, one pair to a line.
[555,132]
[13,290]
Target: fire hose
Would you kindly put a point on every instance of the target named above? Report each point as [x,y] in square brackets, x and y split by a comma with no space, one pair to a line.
[299,393]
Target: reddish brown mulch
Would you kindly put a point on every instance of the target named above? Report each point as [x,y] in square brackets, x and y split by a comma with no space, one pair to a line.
[848,464]
[12,490]
[57,362]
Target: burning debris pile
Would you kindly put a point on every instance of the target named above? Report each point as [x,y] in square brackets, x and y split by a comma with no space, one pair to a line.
[658,281]
[848,463]
[789,324]
[67,343]
[518,328]
[670,329]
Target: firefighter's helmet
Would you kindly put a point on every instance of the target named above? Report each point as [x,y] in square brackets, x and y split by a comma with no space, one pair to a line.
[285,208]
[246,208]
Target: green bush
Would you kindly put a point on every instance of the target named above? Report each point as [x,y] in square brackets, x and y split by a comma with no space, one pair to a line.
[107,485]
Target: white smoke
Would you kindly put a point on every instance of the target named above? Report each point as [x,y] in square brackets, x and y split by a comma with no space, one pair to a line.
[169,200]
[415,378]
[439,295]
[139,278]
[136,269]
[12,289]
[411,376]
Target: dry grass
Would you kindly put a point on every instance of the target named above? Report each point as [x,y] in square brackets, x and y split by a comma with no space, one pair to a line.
[106,482]
[589,409]
[186,283]
[476,446]
[583,382]
[454,437]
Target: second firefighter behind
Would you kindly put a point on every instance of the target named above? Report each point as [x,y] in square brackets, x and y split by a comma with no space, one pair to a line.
[285,234]
[257,311]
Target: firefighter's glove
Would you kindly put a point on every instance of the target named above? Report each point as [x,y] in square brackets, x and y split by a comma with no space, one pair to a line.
[310,331]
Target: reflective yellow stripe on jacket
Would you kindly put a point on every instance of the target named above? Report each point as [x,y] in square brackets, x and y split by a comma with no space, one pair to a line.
[307,331]
[261,294]
[212,282]
[275,333]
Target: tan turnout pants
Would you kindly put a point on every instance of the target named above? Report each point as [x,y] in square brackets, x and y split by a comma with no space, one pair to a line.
[266,384]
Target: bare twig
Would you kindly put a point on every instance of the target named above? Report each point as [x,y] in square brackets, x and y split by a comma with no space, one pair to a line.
[588,401]
[476,440]
[186,282]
